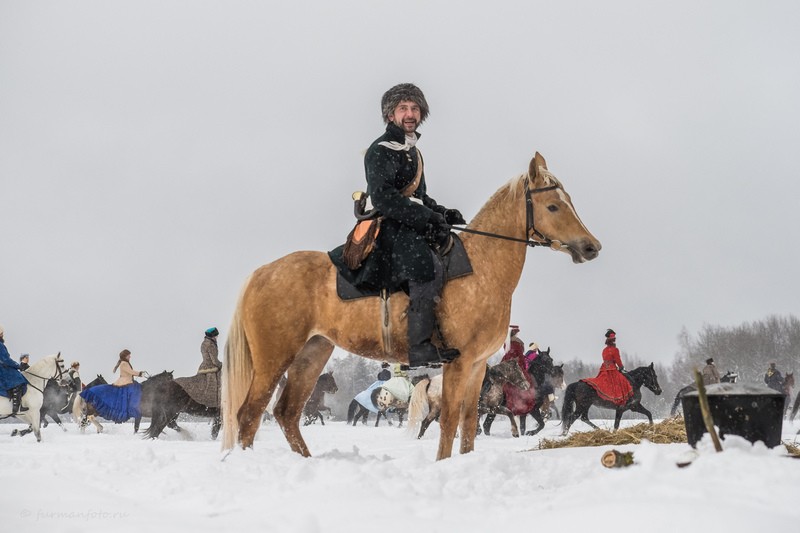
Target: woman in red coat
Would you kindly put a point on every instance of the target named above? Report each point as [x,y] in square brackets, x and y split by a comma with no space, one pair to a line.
[610,384]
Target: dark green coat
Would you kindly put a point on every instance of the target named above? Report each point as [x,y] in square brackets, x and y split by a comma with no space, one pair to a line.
[402,252]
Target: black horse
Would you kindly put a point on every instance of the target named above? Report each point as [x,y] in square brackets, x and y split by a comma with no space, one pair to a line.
[552,380]
[729,377]
[580,396]
[58,399]
[163,400]
[316,402]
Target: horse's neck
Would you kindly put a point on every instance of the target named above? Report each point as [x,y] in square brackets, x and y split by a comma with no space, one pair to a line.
[38,375]
[636,377]
[499,262]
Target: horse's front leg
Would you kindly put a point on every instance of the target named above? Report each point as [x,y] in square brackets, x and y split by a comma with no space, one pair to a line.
[536,413]
[639,408]
[512,419]
[453,390]
[487,422]
[469,412]
[215,425]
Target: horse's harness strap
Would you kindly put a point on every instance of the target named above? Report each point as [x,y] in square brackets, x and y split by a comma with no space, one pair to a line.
[386,331]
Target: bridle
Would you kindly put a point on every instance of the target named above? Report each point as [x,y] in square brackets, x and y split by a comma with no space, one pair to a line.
[58,375]
[530,227]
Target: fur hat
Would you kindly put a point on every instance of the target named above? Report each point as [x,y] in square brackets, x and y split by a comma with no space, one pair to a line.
[398,93]
[514,329]
[24,356]
[212,332]
[710,361]
[74,364]
[124,354]
[611,334]
[533,346]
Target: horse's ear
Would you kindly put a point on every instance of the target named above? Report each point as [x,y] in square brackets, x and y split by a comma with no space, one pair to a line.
[651,365]
[536,162]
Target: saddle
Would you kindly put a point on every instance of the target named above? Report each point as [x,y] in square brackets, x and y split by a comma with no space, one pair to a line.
[456,264]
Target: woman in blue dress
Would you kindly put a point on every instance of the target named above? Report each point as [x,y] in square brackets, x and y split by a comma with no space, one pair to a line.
[120,400]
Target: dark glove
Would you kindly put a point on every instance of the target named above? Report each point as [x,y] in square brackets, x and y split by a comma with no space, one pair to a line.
[454,216]
[437,231]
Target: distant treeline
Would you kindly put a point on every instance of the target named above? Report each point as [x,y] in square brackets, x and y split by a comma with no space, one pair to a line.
[746,349]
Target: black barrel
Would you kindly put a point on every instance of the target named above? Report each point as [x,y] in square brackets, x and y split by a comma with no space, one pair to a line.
[751,411]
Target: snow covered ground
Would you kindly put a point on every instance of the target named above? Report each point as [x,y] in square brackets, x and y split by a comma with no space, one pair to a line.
[380,479]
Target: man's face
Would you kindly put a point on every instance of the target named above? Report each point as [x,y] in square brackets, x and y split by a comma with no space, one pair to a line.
[406,115]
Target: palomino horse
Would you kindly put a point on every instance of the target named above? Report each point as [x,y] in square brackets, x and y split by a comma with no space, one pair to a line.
[583,396]
[729,377]
[49,367]
[271,333]
[316,402]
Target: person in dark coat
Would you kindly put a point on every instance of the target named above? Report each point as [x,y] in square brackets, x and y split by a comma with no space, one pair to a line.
[710,372]
[24,361]
[204,387]
[773,378]
[12,382]
[413,226]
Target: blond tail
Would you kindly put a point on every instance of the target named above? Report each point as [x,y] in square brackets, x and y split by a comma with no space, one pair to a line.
[237,373]
[418,407]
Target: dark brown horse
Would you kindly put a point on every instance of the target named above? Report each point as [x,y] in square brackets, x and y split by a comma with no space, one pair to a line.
[273,333]
[316,402]
[580,396]
[546,378]
[788,385]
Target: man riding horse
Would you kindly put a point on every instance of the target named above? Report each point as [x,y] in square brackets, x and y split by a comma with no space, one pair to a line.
[12,382]
[413,227]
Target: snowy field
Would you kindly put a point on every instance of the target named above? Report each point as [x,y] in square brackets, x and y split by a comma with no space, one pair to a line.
[380,479]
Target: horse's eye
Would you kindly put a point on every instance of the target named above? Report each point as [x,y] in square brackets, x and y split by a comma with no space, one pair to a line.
[552,208]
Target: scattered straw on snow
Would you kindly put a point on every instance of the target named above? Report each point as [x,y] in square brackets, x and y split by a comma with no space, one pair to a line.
[671,430]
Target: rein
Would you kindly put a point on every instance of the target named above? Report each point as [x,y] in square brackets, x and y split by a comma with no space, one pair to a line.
[530,228]
[57,376]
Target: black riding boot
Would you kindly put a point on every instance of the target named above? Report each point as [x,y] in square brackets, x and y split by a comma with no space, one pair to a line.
[16,400]
[421,321]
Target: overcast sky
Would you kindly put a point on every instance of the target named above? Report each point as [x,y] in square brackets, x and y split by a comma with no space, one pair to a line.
[154,153]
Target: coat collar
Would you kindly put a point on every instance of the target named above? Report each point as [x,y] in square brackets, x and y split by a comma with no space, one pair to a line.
[397,134]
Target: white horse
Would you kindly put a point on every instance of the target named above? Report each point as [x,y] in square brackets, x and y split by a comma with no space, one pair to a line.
[50,367]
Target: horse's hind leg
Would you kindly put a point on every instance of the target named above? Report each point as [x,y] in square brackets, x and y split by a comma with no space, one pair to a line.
[302,378]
